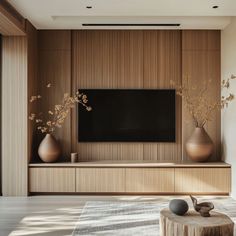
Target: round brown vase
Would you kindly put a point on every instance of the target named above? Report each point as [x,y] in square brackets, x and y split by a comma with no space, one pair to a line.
[49,149]
[199,146]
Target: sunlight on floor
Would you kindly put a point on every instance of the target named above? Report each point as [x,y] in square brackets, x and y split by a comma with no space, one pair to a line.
[59,215]
[49,222]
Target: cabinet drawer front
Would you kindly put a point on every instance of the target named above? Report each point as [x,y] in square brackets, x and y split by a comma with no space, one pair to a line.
[100,180]
[150,180]
[202,180]
[52,179]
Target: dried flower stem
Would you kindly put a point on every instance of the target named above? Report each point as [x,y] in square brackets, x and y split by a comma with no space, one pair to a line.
[59,112]
[197,101]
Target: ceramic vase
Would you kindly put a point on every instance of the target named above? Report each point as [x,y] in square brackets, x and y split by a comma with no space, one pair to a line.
[199,146]
[49,149]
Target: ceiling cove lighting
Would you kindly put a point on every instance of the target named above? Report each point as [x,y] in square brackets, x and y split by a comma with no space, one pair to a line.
[127,24]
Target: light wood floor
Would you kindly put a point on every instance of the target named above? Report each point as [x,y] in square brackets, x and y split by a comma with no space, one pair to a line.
[56,215]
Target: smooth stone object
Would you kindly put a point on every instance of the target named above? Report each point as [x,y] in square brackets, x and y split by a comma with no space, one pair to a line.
[178,206]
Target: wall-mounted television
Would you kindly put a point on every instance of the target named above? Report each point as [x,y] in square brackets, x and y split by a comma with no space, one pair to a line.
[128,115]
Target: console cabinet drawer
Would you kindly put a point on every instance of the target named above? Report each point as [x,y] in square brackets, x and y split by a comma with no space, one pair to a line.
[202,180]
[168,180]
[52,179]
[150,180]
[100,180]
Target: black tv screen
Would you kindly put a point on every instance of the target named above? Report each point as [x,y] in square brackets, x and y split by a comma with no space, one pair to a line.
[127,115]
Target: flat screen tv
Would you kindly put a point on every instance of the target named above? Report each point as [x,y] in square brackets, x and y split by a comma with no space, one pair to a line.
[127,115]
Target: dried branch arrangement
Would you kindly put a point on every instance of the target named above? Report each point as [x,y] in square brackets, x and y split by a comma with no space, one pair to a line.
[198,102]
[59,113]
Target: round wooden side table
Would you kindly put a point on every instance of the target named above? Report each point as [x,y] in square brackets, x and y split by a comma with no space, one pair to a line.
[192,224]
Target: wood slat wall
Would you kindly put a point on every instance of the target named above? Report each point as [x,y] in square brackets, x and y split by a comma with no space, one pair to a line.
[32,58]
[129,59]
[107,59]
[126,59]
[99,59]
[201,62]
[19,81]
[14,116]
[55,68]
[162,63]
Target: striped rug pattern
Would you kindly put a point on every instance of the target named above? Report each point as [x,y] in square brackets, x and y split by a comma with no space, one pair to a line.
[135,217]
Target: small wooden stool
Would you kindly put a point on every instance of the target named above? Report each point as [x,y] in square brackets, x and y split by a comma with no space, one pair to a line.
[192,224]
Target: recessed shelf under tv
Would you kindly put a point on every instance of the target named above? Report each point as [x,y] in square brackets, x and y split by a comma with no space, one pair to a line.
[132,163]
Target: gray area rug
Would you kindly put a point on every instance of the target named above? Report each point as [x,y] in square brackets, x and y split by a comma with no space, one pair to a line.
[134,217]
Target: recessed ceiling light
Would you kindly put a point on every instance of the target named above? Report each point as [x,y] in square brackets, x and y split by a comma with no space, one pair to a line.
[89,7]
[215,7]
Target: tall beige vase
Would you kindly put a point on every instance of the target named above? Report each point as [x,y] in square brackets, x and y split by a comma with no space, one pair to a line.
[49,149]
[199,146]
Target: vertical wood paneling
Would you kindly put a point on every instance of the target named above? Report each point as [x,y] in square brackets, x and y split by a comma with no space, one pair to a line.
[201,62]
[130,59]
[100,180]
[150,180]
[55,68]
[162,63]
[202,180]
[199,40]
[52,180]
[107,59]
[32,57]
[14,116]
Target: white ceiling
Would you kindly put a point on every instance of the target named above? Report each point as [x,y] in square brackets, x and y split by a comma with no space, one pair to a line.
[70,14]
